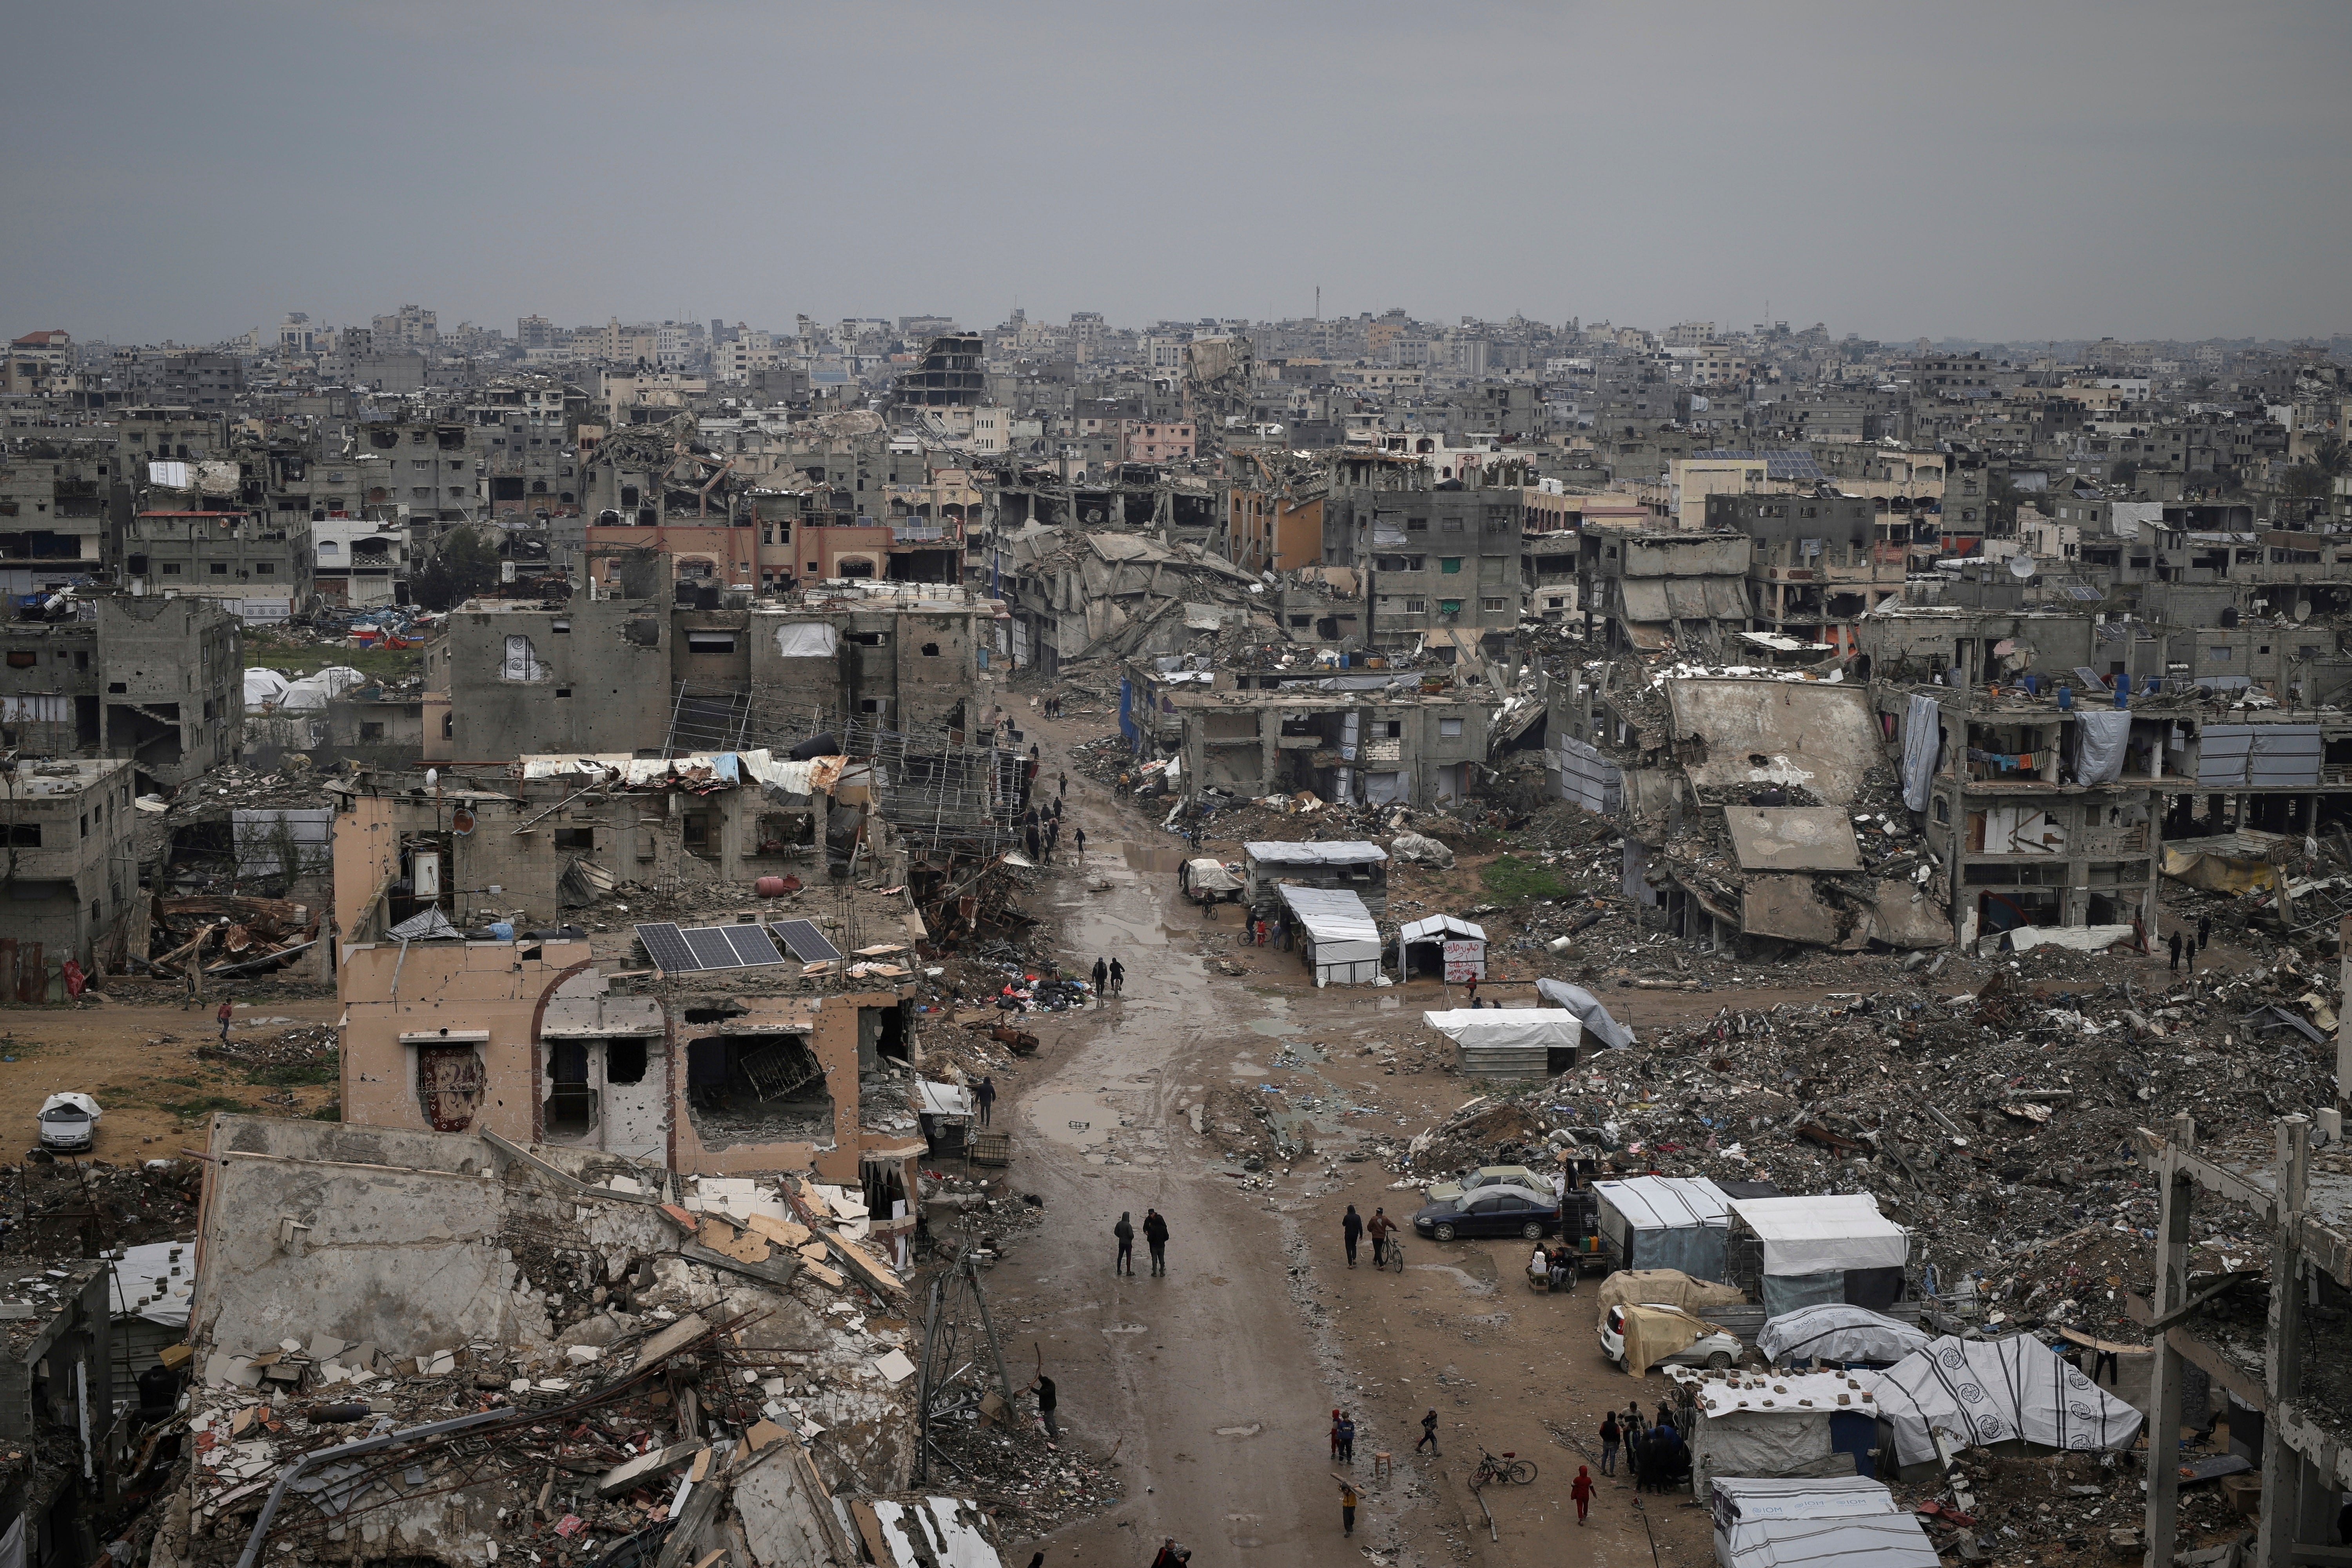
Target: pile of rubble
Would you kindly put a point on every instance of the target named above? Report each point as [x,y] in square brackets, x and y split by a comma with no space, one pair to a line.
[62,1206]
[221,938]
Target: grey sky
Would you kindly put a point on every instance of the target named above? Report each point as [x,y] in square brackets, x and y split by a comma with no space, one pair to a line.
[1989,170]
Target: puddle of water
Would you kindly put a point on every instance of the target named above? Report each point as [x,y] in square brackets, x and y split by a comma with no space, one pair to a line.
[1276,1027]
[1079,1120]
[1152,858]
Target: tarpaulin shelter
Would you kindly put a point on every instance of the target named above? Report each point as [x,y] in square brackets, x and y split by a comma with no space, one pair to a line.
[1510,1041]
[1849,1521]
[1341,943]
[1668,1288]
[1352,865]
[1823,1246]
[1983,1392]
[1596,1018]
[1836,1332]
[1814,1424]
[1442,945]
[1666,1222]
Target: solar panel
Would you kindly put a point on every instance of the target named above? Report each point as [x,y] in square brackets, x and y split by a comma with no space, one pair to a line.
[710,948]
[667,947]
[805,942]
[751,945]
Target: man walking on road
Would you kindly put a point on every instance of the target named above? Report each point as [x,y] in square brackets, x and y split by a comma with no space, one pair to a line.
[228,1005]
[1346,1440]
[1078,836]
[2175,945]
[1378,1228]
[1155,1234]
[983,1095]
[1117,976]
[1125,1234]
[1609,1438]
[1347,1508]
[1102,980]
[1350,1229]
[1429,1435]
[1046,1398]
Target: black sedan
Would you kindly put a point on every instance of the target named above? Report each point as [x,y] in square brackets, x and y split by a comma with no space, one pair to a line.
[1490,1211]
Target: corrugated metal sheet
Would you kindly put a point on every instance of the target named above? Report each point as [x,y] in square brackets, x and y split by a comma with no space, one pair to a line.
[2273,756]
[1502,1061]
[1587,778]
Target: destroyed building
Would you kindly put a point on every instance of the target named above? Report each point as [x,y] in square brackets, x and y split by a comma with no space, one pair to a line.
[72,868]
[432,1347]
[1393,744]
[1441,555]
[1641,590]
[1818,563]
[59,1428]
[1078,596]
[154,680]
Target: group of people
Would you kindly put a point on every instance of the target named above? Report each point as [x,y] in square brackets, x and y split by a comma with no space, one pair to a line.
[1110,979]
[1655,1455]
[1155,1234]
[1053,707]
[2193,945]
[1041,830]
[1555,1266]
[1354,1227]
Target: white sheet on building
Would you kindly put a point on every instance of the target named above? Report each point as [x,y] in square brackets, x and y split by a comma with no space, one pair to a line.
[807,639]
[1478,1027]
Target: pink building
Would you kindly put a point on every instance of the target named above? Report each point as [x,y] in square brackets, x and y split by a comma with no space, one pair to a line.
[1145,441]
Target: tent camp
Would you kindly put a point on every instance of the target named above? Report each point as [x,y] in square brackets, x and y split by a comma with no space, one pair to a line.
[1442,946]
[1604,1029]
[1341,943]
[1509,1042]
[1781,1522]
[1985,1392]
[1824,1247]
[1666,1222]
[1785,1424]
[1836,1331]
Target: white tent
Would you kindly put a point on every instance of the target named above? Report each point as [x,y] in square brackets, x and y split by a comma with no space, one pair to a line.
[1666,1222]
[1341,943]
[1824,1247]
[1849,1521]
[314,691]
[1783,1425]
[1981,1391]
[1454,948]
[1508,1042]
[1836,1331]
[1587,1006]
[263,686]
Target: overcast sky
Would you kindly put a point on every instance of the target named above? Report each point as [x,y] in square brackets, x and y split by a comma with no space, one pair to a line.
[2140,168]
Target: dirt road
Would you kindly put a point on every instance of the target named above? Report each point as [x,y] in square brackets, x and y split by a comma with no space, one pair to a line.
[1216,1384]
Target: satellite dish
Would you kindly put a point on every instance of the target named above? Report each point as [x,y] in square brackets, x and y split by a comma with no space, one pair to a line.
[2302,610]
[2021,566]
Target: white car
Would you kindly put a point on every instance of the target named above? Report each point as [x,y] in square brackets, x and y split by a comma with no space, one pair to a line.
[1718,1349]
[69,1123]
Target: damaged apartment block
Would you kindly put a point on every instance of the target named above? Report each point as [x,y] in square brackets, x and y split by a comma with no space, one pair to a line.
[157,682]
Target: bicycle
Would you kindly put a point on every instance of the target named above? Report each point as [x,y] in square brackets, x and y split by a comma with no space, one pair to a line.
[1503,1468]
[1393,1256]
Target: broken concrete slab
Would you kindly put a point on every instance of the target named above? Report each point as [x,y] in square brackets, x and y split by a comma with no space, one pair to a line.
[636,1472]
[1813,734]
[1792,839]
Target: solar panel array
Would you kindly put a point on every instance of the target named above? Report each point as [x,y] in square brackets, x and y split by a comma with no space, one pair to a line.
[805,942]
[683,952]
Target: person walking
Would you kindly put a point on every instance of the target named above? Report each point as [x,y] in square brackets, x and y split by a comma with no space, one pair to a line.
[1048,1398]
[1171,1555]
[1125,1234]
[1582,1490]
[2175,945]
[1351,1230]
[1346,1440]
[1335,1435]
[1155,1234]
[227,1007]
[1378,1228]
[1429,1435]
[1347,1508]
[1471,986]
[1102,980]
[1078,836]
[1609,1434]
[983,1095]
[2204,934]
[1064,786]
[1118,974]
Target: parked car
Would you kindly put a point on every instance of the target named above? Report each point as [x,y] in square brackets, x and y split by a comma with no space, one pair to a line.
[69,1123]
[1493,1210]
[1487,1176]
[1717,1350]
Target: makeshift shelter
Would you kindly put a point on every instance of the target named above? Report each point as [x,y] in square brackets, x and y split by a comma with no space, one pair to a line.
[1987,1392]
[1349,864]
[1595,1018]
[1782,1522]
[1785,1424]
[944,1112]
[1336,934]
[1836,1331]
[1668,1288]
[1823,1246]
[1440,945]
[1509,1042]
[1666,1222]
[1207,878]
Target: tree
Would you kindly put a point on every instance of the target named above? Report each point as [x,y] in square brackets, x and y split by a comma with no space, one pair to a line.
[462,566]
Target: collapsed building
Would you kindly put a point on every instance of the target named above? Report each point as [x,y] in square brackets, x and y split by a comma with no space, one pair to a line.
[156,681]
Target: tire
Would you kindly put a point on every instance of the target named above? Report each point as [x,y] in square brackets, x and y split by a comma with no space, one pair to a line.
[1532,1231]
[1719,1359]
[1520,1473]
[1443,1233]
